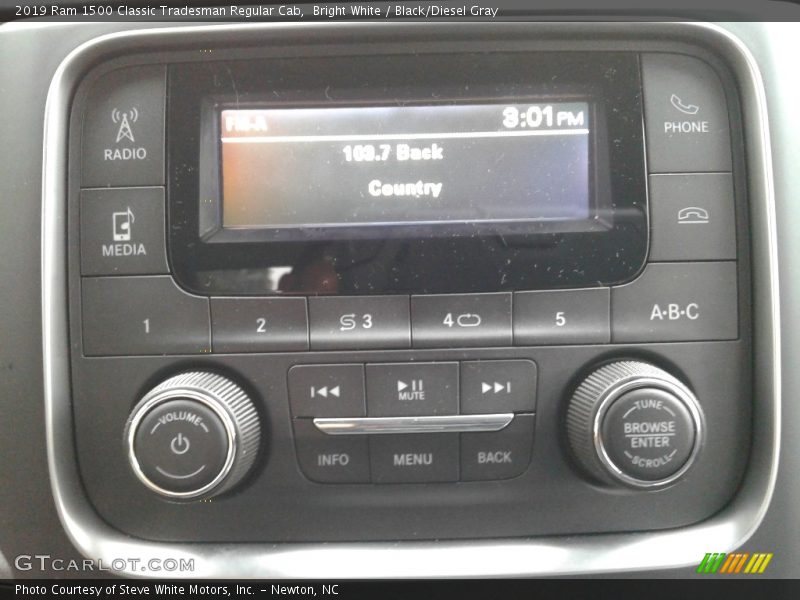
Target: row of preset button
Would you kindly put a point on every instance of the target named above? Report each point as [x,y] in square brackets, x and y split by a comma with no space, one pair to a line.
[152,315]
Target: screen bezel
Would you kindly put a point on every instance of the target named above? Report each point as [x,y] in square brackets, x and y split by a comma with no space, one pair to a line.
[612,249]
[212,215]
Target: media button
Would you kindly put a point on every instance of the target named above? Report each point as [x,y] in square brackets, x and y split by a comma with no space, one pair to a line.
[452,320]
[562,317]
[331,458]
[122,232]
[498,455]
[677,302]
[414,458]
[412,389]
[259,324]
[327,390]
[498,386]
[359,322]
[123,128]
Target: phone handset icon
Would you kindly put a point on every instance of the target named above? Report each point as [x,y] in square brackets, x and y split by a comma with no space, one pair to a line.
[692,214]
[689,109]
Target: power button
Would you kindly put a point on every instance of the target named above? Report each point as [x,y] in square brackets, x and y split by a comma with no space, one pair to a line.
[181,445]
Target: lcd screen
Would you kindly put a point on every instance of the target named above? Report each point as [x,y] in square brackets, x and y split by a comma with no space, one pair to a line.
[285,169]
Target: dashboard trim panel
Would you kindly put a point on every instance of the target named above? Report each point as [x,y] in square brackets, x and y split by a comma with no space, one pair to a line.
[577,554]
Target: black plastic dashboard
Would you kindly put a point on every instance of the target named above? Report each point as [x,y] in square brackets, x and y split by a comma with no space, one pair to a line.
[693,313]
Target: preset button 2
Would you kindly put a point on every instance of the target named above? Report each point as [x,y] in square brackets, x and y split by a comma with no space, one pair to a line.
[259,324]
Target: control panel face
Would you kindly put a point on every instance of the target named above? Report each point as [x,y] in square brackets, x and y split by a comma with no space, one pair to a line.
[324,315]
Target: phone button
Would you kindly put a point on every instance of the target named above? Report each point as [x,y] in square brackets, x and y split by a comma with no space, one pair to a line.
[686,116]
[692,217]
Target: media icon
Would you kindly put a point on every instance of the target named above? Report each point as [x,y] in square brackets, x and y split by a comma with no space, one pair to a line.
[121,223]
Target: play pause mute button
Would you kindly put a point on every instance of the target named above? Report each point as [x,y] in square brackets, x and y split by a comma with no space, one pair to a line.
[411,389]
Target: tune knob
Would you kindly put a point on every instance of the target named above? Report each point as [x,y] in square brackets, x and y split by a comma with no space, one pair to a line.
[630,422]
[193,436]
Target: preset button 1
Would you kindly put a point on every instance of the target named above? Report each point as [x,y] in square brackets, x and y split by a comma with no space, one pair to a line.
[124,316]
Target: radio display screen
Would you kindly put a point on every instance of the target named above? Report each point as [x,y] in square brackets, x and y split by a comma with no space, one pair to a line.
[340,168]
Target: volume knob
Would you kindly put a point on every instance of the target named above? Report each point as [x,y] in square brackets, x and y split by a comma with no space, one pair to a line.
[193,436]
[633,423]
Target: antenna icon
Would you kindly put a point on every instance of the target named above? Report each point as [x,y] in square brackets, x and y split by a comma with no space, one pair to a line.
[125,119]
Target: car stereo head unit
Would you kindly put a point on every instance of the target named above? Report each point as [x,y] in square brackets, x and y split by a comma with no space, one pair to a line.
[456,173]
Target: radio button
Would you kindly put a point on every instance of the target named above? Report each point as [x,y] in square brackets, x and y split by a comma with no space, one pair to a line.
[562,317]
[686,116]
[455,320]
[123,129]
[677,302]
[359,322]
[412,389]
[331,458]
[259,324]
[499,455]
[327,390]
[414,458]
[126,316]
[122,232]
[498,386]
[693,217]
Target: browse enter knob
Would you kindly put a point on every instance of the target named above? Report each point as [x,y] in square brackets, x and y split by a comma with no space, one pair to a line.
[633,423]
